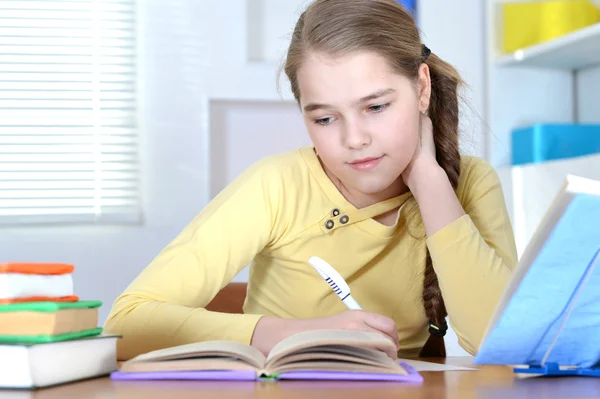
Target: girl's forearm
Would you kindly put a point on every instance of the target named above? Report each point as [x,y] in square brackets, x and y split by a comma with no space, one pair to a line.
[437,200]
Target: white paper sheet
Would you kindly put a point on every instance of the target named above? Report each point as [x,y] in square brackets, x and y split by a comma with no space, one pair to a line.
[428,366]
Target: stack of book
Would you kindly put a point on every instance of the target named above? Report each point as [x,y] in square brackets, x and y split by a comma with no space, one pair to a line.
[48,336]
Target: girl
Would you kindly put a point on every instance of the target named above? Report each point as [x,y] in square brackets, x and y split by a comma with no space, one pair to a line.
[383,195]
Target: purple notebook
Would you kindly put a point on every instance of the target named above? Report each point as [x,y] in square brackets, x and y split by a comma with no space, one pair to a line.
[250,375]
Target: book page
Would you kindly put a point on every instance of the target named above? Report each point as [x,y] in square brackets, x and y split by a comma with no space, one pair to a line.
[356,351]
[246,353]
[332,365]
[336,358]
[335,352]
[194,364]
[48,323]
[350,338]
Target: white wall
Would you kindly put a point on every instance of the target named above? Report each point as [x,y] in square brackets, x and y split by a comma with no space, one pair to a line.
[264,127]
[218,94]
[588,89]
[454,30]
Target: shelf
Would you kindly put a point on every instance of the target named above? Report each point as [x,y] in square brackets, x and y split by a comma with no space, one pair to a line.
[574,51]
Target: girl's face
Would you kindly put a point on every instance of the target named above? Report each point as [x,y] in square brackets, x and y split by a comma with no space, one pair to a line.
[363,119]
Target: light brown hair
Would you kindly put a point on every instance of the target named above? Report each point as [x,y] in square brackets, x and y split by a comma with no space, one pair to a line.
[339,27]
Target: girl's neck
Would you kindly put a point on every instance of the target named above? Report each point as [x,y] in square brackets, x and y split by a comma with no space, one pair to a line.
[362,200]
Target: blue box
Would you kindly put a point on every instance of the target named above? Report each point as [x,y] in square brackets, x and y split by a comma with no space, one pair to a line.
[546,142]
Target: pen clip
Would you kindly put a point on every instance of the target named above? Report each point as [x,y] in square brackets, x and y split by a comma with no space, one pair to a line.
[328,272]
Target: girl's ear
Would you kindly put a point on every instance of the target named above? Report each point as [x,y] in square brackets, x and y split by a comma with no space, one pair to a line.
[424,87]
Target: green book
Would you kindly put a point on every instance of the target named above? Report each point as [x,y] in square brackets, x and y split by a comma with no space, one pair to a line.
[43,339]
[48,307]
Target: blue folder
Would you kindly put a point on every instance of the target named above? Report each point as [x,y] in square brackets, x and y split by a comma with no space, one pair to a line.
[548,321]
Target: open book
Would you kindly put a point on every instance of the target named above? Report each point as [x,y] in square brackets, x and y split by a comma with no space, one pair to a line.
[314,355]
[548,321]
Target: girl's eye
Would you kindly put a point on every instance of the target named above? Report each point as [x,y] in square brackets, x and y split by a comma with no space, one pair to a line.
[324,121]
[378,108]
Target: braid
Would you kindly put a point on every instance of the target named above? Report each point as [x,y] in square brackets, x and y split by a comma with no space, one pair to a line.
[443,111]
[435,309]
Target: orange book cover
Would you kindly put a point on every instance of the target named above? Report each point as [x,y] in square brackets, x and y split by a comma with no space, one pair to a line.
[36,268]
[70,298]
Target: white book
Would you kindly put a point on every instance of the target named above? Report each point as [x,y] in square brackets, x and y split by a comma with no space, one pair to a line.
[47,364]
[22,285]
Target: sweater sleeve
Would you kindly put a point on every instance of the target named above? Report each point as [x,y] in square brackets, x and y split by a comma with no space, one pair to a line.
[474,256]
[164,305]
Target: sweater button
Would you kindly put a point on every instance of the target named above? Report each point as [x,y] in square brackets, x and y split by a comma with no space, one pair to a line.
[335,212]
[329,224]
[344,219]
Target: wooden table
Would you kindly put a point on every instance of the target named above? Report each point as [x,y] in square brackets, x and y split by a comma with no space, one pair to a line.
[486,383]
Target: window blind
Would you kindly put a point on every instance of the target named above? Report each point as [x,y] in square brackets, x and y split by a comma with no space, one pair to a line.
[68,131]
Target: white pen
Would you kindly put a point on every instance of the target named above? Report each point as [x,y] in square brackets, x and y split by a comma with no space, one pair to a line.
[335,281]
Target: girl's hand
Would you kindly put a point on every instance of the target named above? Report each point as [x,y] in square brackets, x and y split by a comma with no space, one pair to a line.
[429,184]
[270,330]
[424,157]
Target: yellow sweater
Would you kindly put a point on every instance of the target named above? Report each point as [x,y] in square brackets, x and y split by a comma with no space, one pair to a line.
[274,217]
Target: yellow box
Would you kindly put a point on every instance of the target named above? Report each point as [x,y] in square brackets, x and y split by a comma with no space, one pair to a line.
[533,22]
